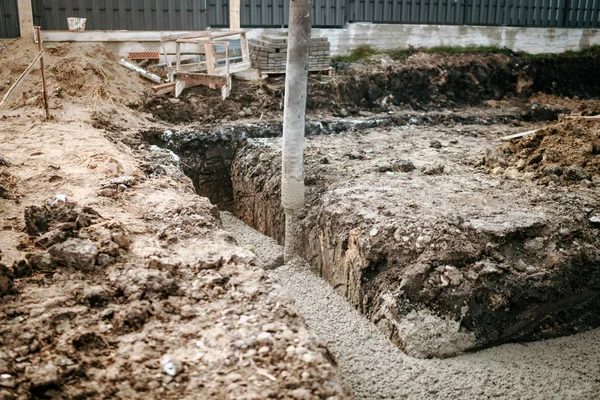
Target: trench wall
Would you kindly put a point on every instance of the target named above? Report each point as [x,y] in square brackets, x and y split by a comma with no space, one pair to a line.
[380,36]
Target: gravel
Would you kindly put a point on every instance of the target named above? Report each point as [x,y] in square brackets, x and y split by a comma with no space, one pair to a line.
[373,368]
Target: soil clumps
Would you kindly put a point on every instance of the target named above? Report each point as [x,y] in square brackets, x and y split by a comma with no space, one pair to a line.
[442,258]
[566,153]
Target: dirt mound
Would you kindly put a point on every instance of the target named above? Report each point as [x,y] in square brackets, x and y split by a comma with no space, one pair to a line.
[565,153]
[74,72]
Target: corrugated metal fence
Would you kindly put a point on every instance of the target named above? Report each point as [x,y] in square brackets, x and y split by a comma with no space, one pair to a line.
[335,13]
[540,13]
[135,15]
[199,14]
[9,19]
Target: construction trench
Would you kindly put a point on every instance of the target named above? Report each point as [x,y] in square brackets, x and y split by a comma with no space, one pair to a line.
[435,259]
[443,242]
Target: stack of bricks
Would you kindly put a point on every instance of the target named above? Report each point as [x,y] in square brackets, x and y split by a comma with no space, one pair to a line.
[269,54]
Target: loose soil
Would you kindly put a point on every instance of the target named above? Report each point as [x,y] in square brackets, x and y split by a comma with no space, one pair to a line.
[565,153]
[375,369]
[403,224]
[175,309]
[421,82]
[118,281]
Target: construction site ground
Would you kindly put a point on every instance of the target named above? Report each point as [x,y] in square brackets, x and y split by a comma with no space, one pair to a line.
[119,281]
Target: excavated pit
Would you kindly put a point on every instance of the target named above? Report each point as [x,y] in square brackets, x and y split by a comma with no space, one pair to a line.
[403,221]
[405,216]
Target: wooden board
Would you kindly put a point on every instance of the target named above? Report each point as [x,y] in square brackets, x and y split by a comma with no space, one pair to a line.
[192,79]
[164,88]
[179,86]
[233,68]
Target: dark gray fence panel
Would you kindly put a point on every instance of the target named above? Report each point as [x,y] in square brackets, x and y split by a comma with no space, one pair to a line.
[9,19]
[275,13]
[540,13]
[198,14]
[123,14]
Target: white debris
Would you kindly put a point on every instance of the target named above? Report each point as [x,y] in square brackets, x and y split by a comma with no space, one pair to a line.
[157,149]
[169,367]
[59,198]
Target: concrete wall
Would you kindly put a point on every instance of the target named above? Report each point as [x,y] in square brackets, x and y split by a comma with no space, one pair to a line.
[381,36]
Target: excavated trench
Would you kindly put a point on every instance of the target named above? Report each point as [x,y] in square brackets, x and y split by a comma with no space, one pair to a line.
[441,256]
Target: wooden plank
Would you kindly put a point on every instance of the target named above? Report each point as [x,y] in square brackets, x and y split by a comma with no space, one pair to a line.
[195,79]
[519,135]
[201,66]
[179,86]
[245,49]
[164,88]
[592,118]
[210,61]
[210,35]
[233,68]
[178,57]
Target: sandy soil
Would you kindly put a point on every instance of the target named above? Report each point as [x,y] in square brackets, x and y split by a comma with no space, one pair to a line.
[176,310]
[132,288]
[374,368]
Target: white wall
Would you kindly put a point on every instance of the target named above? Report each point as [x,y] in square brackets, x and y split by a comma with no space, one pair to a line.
[380,36]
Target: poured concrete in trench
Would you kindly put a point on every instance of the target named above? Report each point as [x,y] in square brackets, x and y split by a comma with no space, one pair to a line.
[373,368]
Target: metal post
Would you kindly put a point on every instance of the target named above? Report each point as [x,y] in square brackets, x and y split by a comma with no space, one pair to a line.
[38,32]
[296,81]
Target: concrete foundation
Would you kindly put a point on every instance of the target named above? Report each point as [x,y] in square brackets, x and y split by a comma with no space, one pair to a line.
[381,36]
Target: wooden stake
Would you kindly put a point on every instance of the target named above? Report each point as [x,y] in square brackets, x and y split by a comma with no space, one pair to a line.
[41,49]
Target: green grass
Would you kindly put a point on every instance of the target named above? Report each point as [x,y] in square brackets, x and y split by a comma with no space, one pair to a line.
[364,52]
[358,54]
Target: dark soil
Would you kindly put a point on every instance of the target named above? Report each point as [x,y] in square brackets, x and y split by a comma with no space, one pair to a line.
[422,82]
[509,260]
[201,104]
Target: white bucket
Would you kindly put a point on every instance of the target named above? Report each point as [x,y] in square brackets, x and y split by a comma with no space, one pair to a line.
[76,24]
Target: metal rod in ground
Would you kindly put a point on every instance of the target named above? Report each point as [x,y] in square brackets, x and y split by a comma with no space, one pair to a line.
[296,80]
[38,32]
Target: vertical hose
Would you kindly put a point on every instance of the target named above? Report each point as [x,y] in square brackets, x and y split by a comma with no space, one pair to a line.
[296,80]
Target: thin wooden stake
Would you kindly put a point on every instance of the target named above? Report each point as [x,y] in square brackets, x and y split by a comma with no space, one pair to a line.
[41,49]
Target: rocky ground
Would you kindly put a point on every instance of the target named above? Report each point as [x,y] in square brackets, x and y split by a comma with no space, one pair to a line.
[118,281]
[121,283]
[444,256]
[375,369]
